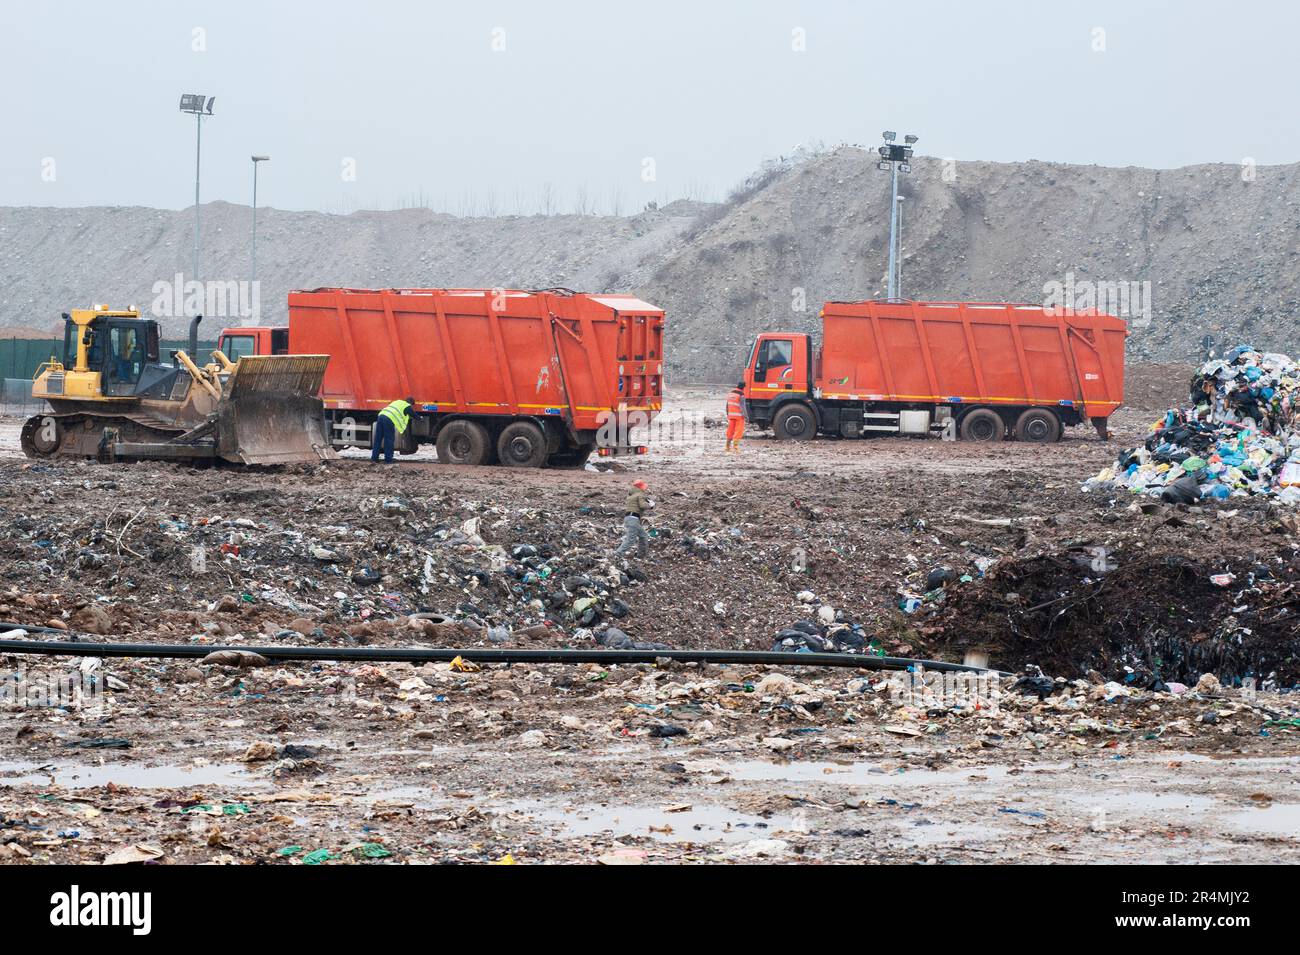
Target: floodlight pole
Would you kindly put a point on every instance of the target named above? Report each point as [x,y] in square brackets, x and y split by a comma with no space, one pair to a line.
[198,105]
[256,160]
[253,274]
[198,155]
[895,155]
[898,264]
[893,230]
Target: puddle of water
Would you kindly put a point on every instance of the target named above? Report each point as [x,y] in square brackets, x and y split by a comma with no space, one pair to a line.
[83,776]
[700,823]
[864,774]
[405,753]
[420,797]
[928,833]
[1218,759]
[1143,801]
[1174,758]
[1278,819]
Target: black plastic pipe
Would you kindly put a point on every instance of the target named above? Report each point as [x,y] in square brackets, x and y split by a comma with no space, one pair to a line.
[189,651]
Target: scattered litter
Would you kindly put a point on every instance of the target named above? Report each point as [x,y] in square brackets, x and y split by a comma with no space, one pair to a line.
[239,659]
[104,742]
[128,855]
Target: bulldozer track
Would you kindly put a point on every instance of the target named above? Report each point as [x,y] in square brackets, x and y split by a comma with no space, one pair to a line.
[79,434]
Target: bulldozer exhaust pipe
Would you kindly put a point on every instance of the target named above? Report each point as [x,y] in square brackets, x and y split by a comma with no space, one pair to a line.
[194,335]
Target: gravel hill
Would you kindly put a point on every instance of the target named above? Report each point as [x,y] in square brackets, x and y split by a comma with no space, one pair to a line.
[1222,255]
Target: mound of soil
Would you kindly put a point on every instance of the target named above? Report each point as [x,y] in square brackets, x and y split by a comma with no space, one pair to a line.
[1165,617]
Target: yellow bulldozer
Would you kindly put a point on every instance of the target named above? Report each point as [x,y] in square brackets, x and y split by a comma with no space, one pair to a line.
[113,398]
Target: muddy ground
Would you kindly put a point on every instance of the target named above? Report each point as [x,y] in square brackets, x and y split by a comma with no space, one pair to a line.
[1127,756]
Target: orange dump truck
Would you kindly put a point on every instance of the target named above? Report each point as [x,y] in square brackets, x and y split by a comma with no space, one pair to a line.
[980,371]
[524,379]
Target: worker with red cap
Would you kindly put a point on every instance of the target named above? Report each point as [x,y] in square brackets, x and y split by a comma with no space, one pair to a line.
[634,534]
[735,417]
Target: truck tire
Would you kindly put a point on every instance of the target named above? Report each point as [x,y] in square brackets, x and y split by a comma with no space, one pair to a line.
[1038,425]
[795,422]
[982,424]
[522,444]
[463,442]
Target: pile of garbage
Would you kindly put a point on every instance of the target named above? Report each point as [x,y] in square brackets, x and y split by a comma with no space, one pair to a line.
[1239,438]
[924,590]
[831,632]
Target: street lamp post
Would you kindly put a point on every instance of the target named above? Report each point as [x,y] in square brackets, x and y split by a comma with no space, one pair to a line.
[256,160]
[895,158]
[200,106]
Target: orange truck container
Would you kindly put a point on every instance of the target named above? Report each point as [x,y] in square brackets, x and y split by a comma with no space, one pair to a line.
[519,378]
[979,371]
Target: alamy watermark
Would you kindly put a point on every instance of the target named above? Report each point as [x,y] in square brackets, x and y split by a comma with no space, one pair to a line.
[642,428]
[176,298]
[1123,299]
[133,910]
[963,689]
[43,689]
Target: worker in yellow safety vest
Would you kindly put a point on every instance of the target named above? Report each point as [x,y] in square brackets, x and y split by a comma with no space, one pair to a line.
[389,423]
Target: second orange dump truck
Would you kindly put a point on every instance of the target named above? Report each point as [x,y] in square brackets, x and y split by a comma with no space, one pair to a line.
[981,371]
[525,379]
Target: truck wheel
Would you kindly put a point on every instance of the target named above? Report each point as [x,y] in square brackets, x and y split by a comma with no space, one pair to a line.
[522,445]
[463,442]
[795,423]
[1038,425]
[982,424]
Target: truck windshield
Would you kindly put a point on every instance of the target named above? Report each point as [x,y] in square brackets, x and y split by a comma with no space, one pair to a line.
[777,351]
[237,346]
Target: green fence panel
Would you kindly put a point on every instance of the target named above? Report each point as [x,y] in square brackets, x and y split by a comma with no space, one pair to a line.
[20,357]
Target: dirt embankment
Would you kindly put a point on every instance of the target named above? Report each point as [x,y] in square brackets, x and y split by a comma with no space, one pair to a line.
[789,239]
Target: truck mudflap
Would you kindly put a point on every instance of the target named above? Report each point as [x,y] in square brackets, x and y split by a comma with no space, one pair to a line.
[269,412]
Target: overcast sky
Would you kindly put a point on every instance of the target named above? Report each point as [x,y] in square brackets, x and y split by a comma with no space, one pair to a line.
[482,106]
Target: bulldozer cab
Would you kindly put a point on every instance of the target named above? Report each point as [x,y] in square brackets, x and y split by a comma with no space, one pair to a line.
[106,354]
[110,356]
[121,349]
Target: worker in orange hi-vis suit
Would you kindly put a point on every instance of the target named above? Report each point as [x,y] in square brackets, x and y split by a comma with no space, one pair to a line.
[735,417]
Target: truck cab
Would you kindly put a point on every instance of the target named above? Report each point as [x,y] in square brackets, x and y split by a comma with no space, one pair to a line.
[779,372]
[235,343]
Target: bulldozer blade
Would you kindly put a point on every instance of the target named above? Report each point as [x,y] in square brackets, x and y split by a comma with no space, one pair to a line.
[269,412]
[278,374]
